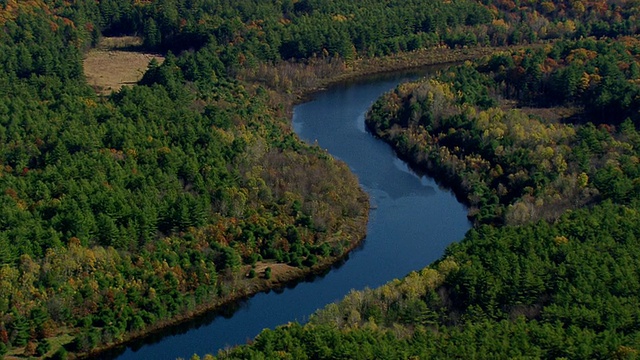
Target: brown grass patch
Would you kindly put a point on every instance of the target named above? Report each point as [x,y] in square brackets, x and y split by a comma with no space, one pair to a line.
[554,114]
[550,115]
[108,67]
[279,271]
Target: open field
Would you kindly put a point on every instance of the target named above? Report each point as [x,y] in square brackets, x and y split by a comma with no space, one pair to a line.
[114,64]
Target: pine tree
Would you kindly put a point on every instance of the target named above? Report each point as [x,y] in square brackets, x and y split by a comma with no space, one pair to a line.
[151,35]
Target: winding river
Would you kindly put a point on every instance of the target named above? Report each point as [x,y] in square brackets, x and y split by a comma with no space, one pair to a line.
[412,220]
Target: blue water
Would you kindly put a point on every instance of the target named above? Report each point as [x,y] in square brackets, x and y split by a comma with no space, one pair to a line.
[411,222]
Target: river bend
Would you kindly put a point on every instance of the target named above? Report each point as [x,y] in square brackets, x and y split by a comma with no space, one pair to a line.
[411,222]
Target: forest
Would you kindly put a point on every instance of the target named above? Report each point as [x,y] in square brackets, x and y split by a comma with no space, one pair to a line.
[124,213]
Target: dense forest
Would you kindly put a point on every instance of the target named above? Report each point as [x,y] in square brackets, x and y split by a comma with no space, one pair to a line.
[123,213]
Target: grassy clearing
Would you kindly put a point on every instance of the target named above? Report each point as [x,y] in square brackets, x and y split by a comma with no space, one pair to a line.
[115,63]
[550,115]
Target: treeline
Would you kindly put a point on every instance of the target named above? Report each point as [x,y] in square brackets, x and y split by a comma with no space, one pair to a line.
[250,31]
[249,37]
[119,214]
[551,268]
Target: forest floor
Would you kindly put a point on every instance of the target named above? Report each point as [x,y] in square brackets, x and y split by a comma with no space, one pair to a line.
[115,63]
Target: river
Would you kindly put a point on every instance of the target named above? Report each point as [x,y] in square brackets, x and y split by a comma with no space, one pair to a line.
[411,222]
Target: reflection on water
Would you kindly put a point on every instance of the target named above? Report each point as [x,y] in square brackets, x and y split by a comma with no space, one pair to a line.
[412,222]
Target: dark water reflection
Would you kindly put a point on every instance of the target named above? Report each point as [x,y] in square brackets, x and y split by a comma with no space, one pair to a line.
[411,223]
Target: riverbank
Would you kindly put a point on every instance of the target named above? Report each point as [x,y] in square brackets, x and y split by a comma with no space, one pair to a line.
[294,83]
[241,286]
[401,61]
